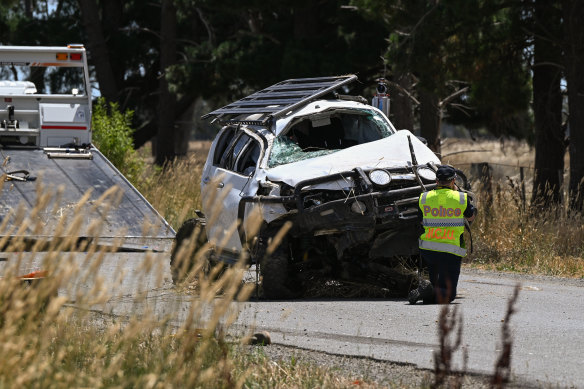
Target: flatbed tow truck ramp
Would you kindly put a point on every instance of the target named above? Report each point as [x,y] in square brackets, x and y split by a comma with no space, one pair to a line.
[51,170]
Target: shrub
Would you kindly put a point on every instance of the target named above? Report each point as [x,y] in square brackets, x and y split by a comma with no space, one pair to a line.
[112,135]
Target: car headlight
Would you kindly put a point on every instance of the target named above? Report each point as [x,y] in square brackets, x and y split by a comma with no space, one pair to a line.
[427,174]
[380,177]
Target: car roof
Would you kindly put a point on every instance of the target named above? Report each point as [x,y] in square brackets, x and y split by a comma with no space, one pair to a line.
[314,108]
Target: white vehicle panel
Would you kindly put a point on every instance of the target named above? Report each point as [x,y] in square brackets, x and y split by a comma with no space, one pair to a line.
[222,191]
[63,113]
[320,106]
[221,211]
[385,153]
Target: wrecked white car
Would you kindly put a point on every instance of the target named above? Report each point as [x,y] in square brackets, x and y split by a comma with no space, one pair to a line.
[333,166]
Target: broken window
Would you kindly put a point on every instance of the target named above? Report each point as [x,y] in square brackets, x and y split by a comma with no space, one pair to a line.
[327,132]
[222,145]
[237,151]
[248,159]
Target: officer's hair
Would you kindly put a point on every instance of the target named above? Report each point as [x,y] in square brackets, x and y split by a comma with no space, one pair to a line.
[444,183]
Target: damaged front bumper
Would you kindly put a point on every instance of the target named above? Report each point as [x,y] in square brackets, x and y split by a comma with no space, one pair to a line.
[364,213]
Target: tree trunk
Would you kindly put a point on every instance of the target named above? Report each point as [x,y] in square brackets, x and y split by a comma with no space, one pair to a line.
[28,9]
[430,119]
[573,13]
[112,22]
[98,49]
[167,100]
[401,103]
[305,21]
[547,107]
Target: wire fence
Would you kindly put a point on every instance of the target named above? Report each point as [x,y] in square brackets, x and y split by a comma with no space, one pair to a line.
[490,177]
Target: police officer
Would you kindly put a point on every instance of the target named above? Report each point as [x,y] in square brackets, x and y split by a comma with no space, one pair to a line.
[442,247]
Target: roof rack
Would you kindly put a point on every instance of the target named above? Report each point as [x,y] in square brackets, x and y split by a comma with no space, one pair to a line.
[279,99]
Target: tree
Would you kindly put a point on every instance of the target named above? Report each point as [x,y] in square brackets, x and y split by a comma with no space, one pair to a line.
[573,14]
[165,144]
[547,103]
[98,50]
[465,58]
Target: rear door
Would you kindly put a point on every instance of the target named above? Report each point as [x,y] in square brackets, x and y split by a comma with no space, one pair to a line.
[227,177]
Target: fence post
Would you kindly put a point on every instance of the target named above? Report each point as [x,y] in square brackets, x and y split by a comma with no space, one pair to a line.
[484,173]
[522,178]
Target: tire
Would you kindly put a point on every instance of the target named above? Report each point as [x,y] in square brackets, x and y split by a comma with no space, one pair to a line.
[461,180]
[192,230]
[277,284]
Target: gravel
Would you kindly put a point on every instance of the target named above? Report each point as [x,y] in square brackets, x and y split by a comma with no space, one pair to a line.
[380,373]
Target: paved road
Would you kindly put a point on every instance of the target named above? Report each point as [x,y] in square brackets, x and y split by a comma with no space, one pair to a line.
[548,328]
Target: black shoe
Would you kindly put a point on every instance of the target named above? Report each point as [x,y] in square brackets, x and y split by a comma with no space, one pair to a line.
[424,291]
[414,296]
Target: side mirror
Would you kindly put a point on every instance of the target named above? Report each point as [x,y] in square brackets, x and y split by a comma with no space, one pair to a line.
[423,140]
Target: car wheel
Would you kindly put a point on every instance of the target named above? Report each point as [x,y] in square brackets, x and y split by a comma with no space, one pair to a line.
[192,230]
[461,180]
[276,282]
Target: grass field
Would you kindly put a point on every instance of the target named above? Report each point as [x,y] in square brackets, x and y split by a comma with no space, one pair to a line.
[507,235]
[45,342]
[510,235]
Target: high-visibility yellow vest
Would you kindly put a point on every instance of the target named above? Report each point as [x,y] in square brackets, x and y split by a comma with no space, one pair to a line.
[443,220]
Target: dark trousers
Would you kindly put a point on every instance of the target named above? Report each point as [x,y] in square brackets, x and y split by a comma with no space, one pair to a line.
[444,270]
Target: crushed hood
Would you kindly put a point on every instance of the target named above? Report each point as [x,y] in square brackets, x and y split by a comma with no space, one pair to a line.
[392,151]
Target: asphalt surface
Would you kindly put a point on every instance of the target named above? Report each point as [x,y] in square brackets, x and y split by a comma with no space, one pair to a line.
[547,328]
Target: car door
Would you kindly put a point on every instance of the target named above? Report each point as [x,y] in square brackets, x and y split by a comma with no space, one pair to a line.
[227,177]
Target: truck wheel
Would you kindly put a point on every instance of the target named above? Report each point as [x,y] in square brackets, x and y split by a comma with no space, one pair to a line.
[192,230]
[276,282]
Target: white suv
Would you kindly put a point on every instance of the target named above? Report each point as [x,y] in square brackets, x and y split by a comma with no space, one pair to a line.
[333,166]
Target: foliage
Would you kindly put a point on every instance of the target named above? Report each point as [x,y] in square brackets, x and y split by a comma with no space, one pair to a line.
[112,135]
[37,23]
[523,242]
[248,45]
[450,44]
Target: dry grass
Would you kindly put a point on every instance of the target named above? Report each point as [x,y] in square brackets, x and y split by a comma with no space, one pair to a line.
[45,341]
[508,238]
[508,152]
[511,235]
[175,190]
[263,373]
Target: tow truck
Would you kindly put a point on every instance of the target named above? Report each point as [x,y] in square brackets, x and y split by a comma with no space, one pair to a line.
[48,164]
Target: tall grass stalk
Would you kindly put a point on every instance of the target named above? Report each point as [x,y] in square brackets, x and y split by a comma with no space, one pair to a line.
[537,240]
[53,332]
[175,189]
[56,331]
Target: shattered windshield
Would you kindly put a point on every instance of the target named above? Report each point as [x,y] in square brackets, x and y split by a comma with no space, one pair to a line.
[327,132]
